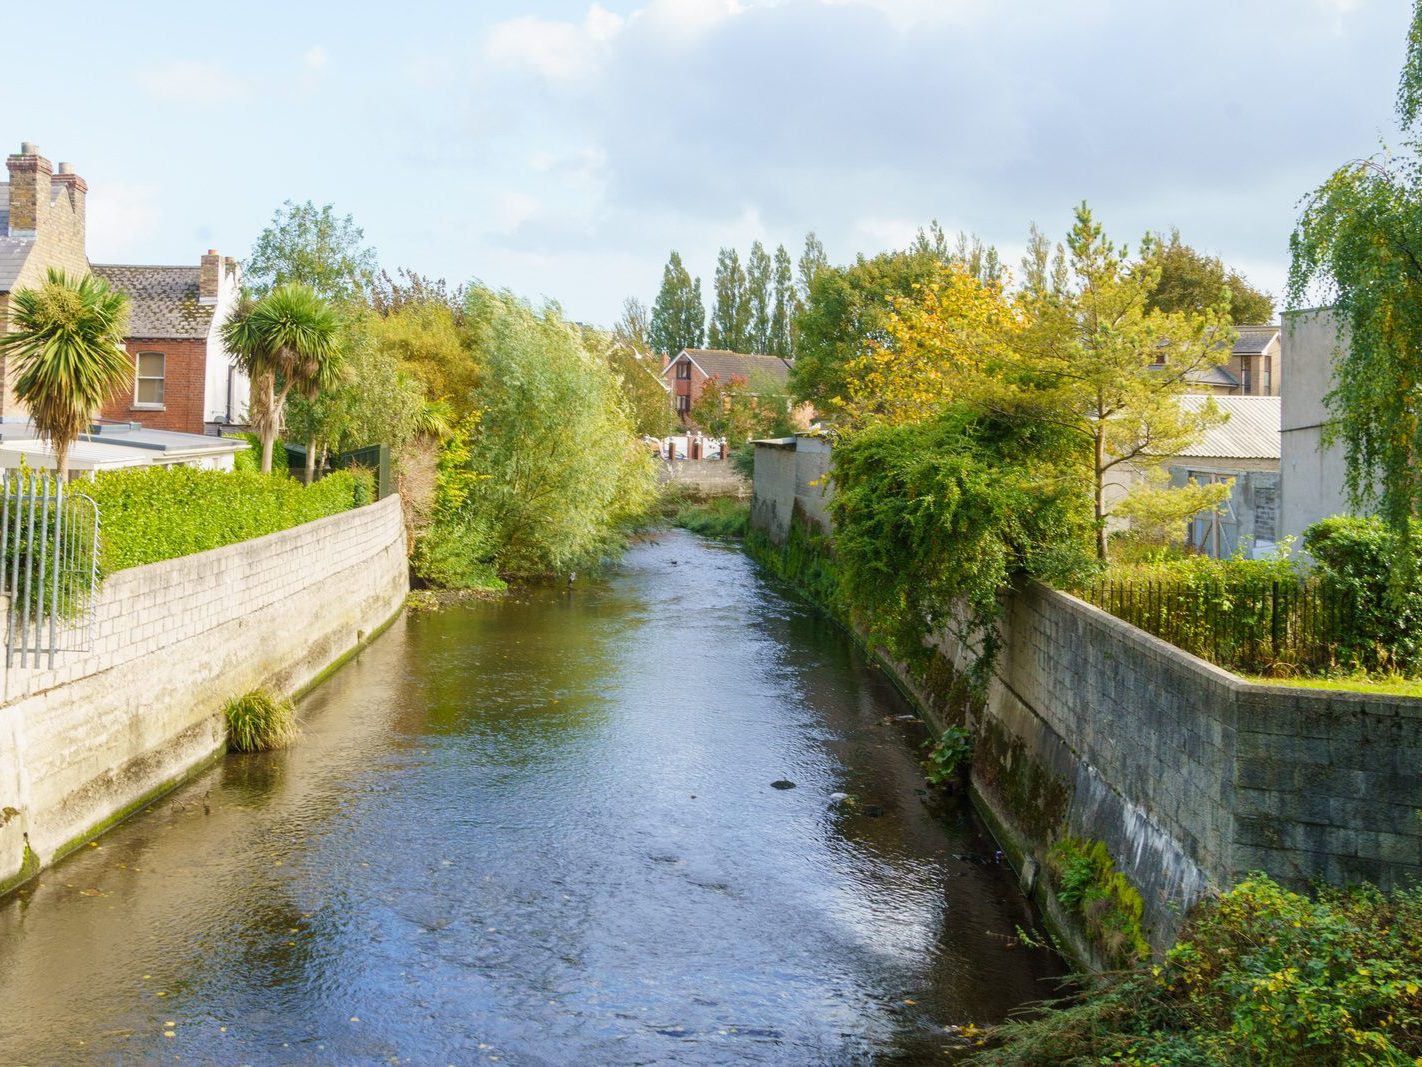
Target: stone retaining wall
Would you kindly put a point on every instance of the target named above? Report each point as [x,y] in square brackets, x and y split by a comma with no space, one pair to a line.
[107,730]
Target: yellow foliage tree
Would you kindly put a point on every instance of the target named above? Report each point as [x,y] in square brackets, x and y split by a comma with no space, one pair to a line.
[938,345]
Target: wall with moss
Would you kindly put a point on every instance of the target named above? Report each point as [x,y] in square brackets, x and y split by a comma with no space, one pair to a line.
[110,728]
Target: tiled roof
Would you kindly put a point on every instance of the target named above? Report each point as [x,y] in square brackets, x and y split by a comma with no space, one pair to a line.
[1213,376]
[719,363]
[1253,340]
[1250,432]
[163,301]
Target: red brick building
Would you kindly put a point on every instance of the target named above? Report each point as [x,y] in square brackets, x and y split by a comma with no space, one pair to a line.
[183,378]
[689,371]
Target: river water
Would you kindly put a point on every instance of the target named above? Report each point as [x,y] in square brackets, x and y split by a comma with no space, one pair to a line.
[543,831]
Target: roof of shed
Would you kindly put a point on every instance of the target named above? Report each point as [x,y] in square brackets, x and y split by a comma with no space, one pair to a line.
[1251,430]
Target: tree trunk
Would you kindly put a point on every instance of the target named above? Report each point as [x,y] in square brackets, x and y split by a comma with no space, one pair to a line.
[1101,495]
[269,422]
[61,462]
[311,462]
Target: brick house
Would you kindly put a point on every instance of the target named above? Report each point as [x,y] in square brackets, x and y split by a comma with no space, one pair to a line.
[41,226]
[183,377]
[688,372]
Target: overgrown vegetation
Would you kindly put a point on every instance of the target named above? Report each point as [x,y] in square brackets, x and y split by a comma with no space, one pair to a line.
[934,520]
[1357,562]
[157,513]
[1260,976]
[949,755]
[726,517]
[257,721]
[1101,898]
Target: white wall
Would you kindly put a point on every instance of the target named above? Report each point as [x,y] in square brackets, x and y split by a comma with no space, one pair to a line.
[1311,478]
[109,729]
[221,377]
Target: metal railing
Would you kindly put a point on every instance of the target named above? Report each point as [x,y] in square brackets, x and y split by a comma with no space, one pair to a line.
[49,560]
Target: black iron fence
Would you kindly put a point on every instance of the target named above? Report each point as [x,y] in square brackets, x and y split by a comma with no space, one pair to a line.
[1254,627]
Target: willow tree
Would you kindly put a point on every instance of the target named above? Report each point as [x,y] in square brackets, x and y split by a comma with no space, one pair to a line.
[67,345]
[289,339]
[1358,247]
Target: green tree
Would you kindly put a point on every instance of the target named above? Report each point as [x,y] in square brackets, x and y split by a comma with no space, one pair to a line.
[67,347]
[678,314]
[283,341]
[633,327]
[812,261]
[731,312]
[760,299]
[846,311]
[312,246]
[743,408]
[550,469]
[1358,247]
[1096,360]
[424,335]
[784,306]
[1192,281]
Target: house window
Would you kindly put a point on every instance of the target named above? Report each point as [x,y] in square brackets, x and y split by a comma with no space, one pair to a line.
[148,392]
[683,402]
[1268,375]
[683,370]
[1248,379]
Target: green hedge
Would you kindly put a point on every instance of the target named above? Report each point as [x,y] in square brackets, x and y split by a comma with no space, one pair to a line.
[149,514]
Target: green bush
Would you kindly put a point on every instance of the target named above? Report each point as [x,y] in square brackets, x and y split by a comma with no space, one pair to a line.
[1357,562]
[1260,976]
[148,514]
[259,722]
[456,555]
[718,517]
[949,754]
[250,461]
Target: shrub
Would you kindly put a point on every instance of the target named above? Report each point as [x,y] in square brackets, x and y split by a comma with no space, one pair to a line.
[455,555]
[1261,976]
[950,752]
[718,517]
[1357,562]
[259,722]
[148,514]
[250,461]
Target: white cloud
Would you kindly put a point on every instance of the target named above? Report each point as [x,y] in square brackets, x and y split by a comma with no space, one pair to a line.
[315,59]
[560,51]
[192,81]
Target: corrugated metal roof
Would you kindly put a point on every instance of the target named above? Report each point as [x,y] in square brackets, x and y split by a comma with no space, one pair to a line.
[163,301]
[1250,432]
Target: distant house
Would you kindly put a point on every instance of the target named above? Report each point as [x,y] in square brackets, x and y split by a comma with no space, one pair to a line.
[687,373]
[1245,449]
[1254,368]
[184,379]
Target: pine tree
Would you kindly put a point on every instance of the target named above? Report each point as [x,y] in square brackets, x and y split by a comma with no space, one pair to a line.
[730,315]
[812,261]
[678,316]
[758,298]
[785,303]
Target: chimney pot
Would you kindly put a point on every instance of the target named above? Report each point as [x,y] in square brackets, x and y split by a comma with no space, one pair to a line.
[29,148]
[66,168]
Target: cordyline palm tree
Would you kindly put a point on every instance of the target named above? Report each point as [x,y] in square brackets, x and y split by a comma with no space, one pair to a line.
[283,341]
[67,347]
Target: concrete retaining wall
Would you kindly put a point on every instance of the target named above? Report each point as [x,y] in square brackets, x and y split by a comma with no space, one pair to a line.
[1191,776]
[100,735]
[710,477]
[791,479]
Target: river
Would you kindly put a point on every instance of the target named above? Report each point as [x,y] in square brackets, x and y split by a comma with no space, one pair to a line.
[543,831]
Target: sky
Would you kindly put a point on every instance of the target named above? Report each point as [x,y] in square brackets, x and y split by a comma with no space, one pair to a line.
[560,149]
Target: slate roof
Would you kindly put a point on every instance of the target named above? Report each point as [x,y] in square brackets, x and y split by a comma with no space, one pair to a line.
[1253,340]
[1250,432]
[163,301]
[1213,376]
[719,363]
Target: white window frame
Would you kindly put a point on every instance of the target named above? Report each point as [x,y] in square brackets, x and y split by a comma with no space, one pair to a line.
[139,379]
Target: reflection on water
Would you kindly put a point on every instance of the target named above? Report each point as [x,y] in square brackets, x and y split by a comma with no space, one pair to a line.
[542,832]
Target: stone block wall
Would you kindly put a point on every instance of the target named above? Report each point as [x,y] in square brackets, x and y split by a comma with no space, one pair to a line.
[106,730]
[712,477]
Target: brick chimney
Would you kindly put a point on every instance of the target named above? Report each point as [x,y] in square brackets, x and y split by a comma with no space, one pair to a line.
[210,277]
[76,188]
[30,176]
